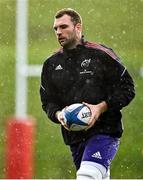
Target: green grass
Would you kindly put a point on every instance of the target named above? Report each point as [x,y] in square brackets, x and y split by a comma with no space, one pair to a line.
[128,162]
[116,23]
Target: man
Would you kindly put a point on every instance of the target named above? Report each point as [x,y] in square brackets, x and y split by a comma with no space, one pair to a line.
[89,73]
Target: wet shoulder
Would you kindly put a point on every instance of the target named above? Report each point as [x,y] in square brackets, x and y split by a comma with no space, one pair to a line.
[53,58]
[102,49]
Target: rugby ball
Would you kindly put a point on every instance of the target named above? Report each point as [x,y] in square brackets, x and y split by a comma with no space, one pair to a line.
[76,116]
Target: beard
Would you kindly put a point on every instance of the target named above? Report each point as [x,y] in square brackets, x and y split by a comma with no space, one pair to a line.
[68,43]
[63,41]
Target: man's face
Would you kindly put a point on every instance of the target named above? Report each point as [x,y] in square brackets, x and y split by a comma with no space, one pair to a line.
[66,31]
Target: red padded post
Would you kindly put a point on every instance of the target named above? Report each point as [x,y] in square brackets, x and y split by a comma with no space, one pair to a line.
[20,148]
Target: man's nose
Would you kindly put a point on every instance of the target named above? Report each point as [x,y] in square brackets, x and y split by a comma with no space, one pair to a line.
[59,31]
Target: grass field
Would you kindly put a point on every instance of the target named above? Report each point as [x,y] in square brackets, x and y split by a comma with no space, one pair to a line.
[116,23]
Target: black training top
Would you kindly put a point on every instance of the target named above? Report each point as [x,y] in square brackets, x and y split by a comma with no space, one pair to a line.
[89,73]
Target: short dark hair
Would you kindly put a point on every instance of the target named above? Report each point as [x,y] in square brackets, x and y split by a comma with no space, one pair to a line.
[75,16]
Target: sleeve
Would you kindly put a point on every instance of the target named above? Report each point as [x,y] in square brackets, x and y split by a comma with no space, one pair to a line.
[120,85]
[49,99]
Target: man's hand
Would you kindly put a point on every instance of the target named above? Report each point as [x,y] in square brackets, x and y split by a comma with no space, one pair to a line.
[59,116]
[96,111]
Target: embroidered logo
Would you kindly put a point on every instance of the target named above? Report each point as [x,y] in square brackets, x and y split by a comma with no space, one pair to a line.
[85,63]
[59,67]
[97,155]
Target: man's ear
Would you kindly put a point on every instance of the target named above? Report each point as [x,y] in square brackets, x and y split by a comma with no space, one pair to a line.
[79,27]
